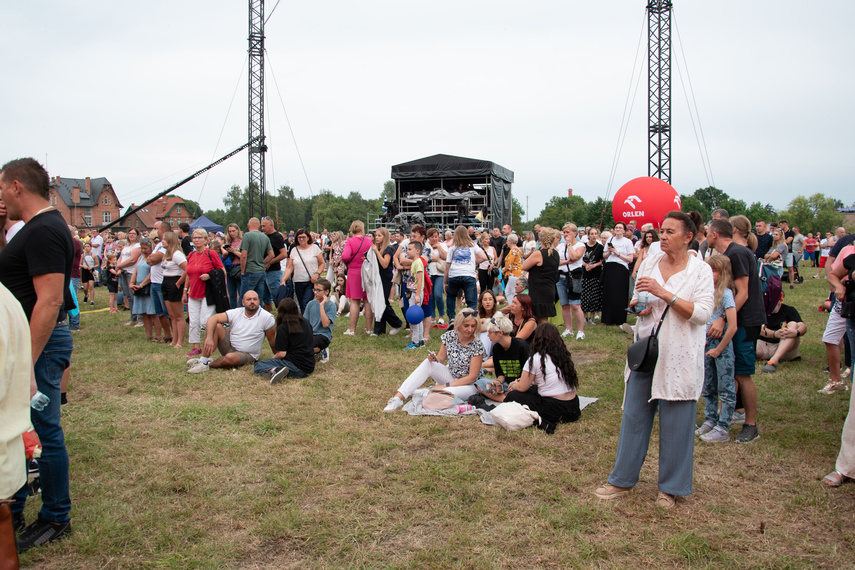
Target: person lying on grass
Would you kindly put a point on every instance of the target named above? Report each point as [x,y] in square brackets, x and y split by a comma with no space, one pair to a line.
[293,353]
[509,356]
[461,350]
[241,344]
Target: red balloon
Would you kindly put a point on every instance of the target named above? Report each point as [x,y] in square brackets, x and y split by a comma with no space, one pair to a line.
[645,200]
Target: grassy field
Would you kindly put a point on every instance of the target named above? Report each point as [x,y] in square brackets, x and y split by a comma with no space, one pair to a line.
[222,470]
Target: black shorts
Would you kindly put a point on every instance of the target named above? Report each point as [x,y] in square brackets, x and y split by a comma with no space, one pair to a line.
[86,275]
[171,291]
[321,342]
[112,286]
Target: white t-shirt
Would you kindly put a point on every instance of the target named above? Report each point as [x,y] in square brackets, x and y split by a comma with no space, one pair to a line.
[824,248]
[97,242]
[624,247]
[157,268]
[491,257]
[310,257]
[16,227]
[461,261]
[548,383]
[246,334]
[528,247]
[564,253]
[126,254]
[172,268]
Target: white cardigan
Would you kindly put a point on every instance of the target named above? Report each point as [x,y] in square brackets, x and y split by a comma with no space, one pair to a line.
[679,373]
[372,285]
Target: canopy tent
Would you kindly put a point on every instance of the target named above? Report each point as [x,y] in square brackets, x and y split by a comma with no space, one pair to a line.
[444,167]
[206,224]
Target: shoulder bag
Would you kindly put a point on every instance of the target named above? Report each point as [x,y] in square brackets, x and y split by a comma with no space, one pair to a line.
[641,356]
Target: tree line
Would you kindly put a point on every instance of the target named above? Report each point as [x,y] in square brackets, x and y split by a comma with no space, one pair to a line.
[327,210]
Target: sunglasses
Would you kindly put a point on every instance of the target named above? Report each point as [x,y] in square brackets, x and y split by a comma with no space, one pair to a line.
[469,312]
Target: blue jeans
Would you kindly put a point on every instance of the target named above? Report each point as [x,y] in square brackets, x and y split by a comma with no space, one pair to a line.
[234,291]
[435,302]
[157,297]
[267,365]
[74,321]
[255,282]
[305,293]
[53,464]
[719,384]
[676,438]
[272,278]
[470,291]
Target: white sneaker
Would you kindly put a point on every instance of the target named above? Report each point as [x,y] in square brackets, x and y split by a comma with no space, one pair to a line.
[139,324]
[393,331]
[198,368]
[349,333]
[625,327]
[192,362]
[325,356]
[393,404]
[567,332]
[440,321]
[580,335]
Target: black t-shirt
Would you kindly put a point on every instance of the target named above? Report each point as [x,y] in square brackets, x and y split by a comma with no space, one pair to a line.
[497,243]
[277,244]
[509,363]
[775,320]
[187,244]
[849,264]
[298,346]
[764,244]
[593,254]
[841,243]
[743,262]
[42,246]
[386,274]
[789,235]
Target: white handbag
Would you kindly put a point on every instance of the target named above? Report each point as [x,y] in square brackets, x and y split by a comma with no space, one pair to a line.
[514,416]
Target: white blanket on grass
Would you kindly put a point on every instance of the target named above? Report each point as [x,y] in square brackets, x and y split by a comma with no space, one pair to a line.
[414,408]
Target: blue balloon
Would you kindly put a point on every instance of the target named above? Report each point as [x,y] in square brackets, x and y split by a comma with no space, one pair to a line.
[415,315]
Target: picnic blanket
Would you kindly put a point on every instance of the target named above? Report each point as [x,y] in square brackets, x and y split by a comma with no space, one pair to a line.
[414,408]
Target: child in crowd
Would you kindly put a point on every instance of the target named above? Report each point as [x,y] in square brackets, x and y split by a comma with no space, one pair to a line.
[416,287]
[112,281]
[338,297]
[719,359]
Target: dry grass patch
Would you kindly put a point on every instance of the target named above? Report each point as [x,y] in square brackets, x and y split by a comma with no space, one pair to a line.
[221,470]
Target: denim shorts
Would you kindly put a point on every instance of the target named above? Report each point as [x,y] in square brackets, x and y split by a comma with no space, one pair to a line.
[157,298]
[745,350]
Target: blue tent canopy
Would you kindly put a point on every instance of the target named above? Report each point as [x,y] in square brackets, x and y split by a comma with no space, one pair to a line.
[206,224]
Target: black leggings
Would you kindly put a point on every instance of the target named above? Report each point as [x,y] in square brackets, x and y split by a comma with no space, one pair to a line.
[485,281]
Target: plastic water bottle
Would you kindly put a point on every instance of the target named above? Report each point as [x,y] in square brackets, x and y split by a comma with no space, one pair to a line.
[463,408]
[643,300]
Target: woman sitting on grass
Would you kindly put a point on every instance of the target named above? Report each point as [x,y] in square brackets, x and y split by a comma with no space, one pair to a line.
[486,310]
[461,350]
[521,316]
[295,354]
[548,383]
[509,356]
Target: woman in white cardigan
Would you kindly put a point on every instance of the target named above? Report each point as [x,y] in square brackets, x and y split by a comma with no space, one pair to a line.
[674,279]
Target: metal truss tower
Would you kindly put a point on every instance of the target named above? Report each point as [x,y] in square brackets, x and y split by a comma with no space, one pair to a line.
[257,188]
[659,89]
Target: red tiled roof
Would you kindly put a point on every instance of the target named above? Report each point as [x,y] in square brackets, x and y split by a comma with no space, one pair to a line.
[162,206]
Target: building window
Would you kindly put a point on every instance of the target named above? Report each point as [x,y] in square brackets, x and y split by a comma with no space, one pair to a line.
[106,201]
[87,217]
[178,210]
[107,217]
[138,222]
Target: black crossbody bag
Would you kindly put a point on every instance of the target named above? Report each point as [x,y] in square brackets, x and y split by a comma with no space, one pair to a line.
[641,356]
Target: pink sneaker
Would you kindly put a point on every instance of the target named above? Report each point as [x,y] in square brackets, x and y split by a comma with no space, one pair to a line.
[194,352]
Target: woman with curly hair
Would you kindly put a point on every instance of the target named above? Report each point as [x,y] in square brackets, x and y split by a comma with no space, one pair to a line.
[550,369]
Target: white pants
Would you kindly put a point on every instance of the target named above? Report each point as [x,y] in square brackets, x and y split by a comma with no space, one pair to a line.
[440,374]
[198,310]
[511,289]
[836,326]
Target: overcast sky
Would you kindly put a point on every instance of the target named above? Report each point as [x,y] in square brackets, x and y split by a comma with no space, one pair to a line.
[140,92]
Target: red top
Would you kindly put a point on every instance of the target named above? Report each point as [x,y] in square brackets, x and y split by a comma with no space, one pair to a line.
[197,264]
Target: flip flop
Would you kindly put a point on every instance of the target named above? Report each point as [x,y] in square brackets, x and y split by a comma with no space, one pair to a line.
[834,479]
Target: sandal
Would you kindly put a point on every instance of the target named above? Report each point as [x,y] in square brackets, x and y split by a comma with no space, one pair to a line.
[665,500]
[834,479]
[155,340]
[167,340]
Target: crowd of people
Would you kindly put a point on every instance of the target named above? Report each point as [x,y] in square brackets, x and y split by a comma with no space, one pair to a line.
[711,292]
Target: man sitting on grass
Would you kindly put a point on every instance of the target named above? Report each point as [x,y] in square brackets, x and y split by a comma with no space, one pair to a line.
[239,345]
[779,338]
[321,320]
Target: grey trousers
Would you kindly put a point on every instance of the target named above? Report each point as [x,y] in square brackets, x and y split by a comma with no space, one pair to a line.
[676,438]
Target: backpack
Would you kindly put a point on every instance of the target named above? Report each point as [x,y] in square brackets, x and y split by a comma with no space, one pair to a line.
[771,285]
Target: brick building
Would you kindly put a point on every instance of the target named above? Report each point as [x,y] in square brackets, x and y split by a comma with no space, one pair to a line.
[142,220]
[85,202]
[171,209]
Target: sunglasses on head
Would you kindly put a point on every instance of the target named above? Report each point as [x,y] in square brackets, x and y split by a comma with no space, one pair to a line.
[469,312]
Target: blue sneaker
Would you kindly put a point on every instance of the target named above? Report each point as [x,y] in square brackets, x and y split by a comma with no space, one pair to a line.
[413,345]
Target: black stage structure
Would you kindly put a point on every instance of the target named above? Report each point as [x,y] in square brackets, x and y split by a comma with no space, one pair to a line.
[443,191]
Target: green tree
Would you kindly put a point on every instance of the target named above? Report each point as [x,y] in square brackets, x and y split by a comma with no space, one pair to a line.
[193,207]
[560,210]
[757,211]
[290,211]
[518,214]
[388,190]
[599,209]
[818,212]
[218,216]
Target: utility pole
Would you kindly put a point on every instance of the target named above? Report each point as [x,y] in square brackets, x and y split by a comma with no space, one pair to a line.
[257,189]
[659,89]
